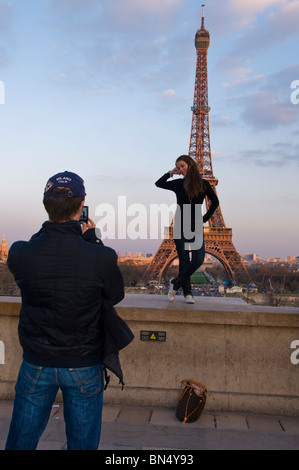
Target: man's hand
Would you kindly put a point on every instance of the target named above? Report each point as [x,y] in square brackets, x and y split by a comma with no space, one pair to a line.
[87,226]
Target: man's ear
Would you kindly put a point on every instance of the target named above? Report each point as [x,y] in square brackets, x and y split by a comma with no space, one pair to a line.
[77,216]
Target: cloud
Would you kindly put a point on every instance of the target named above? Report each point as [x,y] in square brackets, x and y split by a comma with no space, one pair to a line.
[280,82]
[167,99]
[73,8]
[140,45]
[269,106]
[278,27]
[246,11]
[7,15]
[223,121]
[239,73]
[277,155]
[118,16]
[238,15]
[168,94]
[108,42]
[142,15]
[264,111]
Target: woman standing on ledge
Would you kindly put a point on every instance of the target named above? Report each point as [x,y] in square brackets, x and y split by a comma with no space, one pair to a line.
[188,222]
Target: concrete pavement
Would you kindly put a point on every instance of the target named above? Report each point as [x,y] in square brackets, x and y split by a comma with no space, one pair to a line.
[137,428]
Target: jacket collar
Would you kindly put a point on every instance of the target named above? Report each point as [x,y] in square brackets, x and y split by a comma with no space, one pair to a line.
[70,227]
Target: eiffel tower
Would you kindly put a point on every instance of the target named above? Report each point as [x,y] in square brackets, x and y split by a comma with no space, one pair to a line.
[218,238]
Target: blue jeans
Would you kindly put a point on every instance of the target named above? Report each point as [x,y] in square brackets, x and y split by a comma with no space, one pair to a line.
[187,265]
[36,390]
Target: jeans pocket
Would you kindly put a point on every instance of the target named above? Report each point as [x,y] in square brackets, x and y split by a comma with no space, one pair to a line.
[28,378]
[89,380]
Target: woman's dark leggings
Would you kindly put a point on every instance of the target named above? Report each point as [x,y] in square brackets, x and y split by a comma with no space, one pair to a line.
[189,262]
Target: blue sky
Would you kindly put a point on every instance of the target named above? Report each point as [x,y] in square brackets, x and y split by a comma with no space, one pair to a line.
[104,88]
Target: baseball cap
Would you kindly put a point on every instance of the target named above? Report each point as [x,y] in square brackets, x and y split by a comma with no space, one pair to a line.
[67,179]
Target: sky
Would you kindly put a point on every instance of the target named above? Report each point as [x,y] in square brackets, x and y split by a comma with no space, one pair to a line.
[104,88]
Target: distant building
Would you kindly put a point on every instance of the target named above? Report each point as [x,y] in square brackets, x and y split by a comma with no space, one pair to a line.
[253,257]
[3,251]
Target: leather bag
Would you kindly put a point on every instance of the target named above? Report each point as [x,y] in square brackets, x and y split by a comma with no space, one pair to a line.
[191,400]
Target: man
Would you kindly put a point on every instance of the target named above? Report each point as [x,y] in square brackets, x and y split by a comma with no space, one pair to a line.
[64,281]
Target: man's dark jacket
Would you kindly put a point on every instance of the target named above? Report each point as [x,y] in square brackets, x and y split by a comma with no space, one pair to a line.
[64,281]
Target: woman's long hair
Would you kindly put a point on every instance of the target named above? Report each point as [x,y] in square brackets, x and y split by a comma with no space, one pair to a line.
[193,182]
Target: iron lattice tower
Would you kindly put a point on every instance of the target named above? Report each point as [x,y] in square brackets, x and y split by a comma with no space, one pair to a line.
[218,238]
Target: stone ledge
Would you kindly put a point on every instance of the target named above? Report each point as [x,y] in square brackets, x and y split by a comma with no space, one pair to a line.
[205,310]
[241,352]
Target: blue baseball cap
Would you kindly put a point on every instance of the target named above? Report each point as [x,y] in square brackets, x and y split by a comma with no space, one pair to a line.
[65,179]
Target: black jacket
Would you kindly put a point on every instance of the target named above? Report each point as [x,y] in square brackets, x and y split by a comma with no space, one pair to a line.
[117,335]
[64,280]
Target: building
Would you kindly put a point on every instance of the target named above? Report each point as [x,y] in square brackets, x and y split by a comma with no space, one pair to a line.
[3,251]
[251,257]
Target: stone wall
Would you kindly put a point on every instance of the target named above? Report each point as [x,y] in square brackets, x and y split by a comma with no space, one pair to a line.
[246,355]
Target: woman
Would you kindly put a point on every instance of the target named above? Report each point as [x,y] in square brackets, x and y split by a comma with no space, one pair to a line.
[188,231]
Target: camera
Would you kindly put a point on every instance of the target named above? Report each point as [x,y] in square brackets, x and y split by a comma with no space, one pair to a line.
[84,215]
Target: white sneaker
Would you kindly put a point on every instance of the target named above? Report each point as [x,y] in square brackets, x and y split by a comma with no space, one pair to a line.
[171,292]
[189,299]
